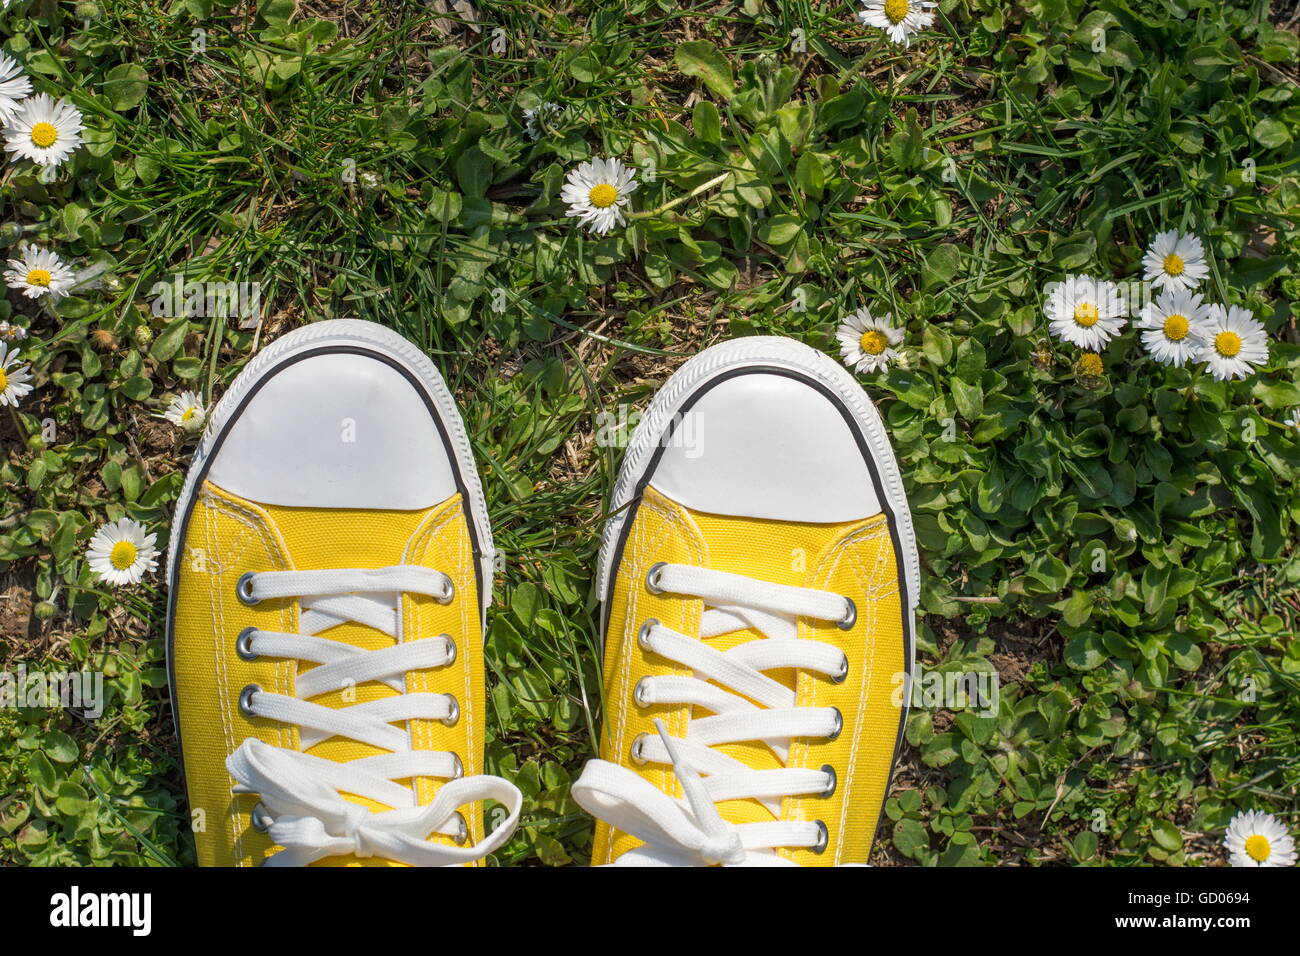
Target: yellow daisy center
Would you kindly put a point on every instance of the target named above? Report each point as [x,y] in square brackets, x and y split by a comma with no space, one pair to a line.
[1086,314]
[40,277]
[873,342]
[1090,364]
[1176,328]
[4,380]
[188,413]
[603,196]
[44,134]
[1227,344]
[1257,848]
[122,555]
[896,10]
[1174,264]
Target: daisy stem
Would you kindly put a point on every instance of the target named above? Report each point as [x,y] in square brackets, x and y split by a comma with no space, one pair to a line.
[1191,386]
[704,187]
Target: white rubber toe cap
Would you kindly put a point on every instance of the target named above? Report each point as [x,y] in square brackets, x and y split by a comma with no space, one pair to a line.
[765,445]
[336,430]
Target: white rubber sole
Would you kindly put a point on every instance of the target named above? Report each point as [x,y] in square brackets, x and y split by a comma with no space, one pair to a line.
[322,337]
[758,351]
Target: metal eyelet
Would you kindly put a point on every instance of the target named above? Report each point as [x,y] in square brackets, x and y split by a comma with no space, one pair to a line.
[244,644]
[652,577]
[850,616]
[462,833]
[839,725]
[638,750]
[244,588]
[246,700]
[643,635]
[458,770]
[259,819]
[451,650]
[450,593]
[639,692]
[823,837]
[840,676]
[830,789]
[454,717]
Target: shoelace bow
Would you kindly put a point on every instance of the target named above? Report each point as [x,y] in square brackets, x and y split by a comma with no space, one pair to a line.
[302,807]
[746,705]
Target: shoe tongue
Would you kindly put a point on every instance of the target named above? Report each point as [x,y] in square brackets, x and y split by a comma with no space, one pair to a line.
[781,552]
[331,538]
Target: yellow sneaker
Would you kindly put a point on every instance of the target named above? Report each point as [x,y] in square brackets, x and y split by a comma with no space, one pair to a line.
[759,582]
[329,567]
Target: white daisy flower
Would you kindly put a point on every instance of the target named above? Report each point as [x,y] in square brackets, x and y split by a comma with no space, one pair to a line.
[1171,326]
[40,272]
[43,131]
[596,191]
[535,120]
[1233,343]
[15,379]
[867,343]
[14,86]
[1294,420]
[186,411]
[1086,312]
[121,552]
[10,332]
[1175,260]
[1255,838]
[899,18]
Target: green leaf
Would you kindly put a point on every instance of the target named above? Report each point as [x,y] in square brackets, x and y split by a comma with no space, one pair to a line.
[702,60]
[1167,835]
[41,773]
[1271,134]
[809,175]
[910,837]
[59,747]
[941,265]
[707,122]
[276,11]
[125,86]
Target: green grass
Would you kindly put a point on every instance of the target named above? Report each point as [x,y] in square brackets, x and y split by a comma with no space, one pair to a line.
[1142,703]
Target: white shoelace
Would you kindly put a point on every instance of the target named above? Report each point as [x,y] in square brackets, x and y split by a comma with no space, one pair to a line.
[302,807]
[746,705]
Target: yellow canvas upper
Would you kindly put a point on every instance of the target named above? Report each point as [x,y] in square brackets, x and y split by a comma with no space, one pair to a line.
[228,536]
[856,559]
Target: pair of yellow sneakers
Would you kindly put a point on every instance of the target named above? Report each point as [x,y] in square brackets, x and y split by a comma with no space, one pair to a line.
[331,564]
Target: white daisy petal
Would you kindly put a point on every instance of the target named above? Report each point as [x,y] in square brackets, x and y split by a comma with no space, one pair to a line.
[597,191]
[44,131]
[186,411]
[15,379]
[40,272]
[1086,312]
[867,343]
[14,87]
[536,120]
[1233,343]
[1255,838]
[121,552]
[1172,326]
[900,19]
[1175,260]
